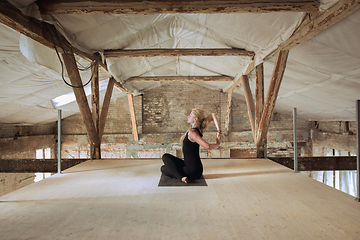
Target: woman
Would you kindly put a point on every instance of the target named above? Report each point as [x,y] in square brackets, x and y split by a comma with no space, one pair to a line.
[191,167]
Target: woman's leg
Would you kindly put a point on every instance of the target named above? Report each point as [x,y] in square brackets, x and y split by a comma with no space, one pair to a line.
[173,166]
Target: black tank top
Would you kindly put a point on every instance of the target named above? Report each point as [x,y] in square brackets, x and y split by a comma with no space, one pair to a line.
[193,165]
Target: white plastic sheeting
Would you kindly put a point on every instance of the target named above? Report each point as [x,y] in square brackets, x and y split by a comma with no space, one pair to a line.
[321,78]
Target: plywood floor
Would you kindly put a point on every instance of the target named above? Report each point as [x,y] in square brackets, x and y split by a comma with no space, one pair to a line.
[120,199]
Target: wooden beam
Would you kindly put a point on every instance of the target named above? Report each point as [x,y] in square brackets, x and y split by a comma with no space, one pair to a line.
[105,106]
[36,165]
[95,102]
[249,102]
[237,80]
[175,6]
[177,52]
[228,114]
[316,24]
[179,79]
[259,94]
[81,99]
[133,119]
[330,163]
[273,90]
[120,86]
[259,106]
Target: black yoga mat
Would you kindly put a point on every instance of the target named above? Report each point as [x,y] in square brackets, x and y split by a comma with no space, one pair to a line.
[166,181]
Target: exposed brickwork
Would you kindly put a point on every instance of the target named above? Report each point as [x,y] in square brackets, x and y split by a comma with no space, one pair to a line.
[165,109]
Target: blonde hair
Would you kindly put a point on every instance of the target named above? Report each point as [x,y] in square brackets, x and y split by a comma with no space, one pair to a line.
[201,123]
[200,114]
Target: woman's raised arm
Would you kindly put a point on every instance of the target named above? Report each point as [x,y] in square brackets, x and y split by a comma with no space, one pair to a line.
[212,117]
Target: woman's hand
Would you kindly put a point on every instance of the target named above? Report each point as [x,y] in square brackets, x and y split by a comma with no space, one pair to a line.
[218,137]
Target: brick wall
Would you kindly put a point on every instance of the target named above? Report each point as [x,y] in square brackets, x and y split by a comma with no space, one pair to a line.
[165,109]
[161,115]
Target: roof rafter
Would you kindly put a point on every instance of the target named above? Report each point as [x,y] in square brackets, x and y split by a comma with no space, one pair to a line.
[175,6]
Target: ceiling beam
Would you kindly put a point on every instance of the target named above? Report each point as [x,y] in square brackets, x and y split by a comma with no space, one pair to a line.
[179,79]
[175,6]
[178,52]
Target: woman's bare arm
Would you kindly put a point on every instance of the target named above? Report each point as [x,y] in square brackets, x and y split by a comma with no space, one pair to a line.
[195,137]
[212,117]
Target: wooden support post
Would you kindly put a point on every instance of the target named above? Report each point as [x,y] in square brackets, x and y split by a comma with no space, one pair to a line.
[259,106]
[133,119]
[228,114]
[271,97]
[80,95]
[249,102]
[95,96]
[105,106]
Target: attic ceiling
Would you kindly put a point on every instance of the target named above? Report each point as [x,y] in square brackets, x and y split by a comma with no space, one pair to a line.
[322,77]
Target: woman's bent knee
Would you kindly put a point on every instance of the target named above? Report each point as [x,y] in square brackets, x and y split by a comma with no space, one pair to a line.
[165,156]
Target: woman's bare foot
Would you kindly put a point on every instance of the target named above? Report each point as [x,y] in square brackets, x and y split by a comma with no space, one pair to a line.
[185,180]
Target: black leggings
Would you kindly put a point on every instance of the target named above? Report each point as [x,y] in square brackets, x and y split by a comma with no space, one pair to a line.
[174,167]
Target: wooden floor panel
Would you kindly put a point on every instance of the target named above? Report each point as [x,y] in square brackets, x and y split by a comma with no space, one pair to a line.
[120,199]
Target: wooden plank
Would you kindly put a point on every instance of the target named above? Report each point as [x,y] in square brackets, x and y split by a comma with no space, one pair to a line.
[105,106]
[133,119]
[177,52]
[81,99]
[273,91]
[228,113]
[175,6]
[320,22]
[179,78]
[36,165]
[327,163]
[249,102]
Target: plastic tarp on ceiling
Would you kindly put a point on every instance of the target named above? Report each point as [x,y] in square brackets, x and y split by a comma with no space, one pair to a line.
[321,78]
